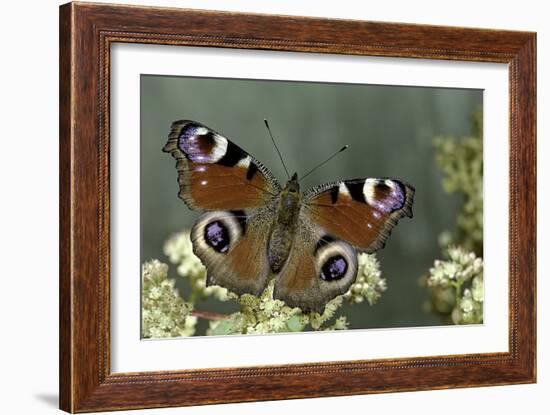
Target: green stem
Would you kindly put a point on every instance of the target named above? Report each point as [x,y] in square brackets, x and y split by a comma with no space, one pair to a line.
[458,288]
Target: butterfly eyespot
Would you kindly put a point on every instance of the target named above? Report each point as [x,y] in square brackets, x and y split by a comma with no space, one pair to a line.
[216,235]
[334,268]
[384,195]
[218,232]
[201,145]
[336,261]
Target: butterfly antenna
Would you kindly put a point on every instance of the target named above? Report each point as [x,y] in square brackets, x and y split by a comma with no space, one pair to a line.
[276,148]
[324,162]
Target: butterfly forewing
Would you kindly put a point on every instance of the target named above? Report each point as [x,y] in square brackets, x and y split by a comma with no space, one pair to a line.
[216,174]
[360,211]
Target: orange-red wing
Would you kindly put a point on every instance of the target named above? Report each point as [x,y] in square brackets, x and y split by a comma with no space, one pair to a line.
[216,174]
[360,211]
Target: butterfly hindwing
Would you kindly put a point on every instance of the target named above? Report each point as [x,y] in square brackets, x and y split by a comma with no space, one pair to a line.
[231,245]
[216,174]
[319,268]
[360,211]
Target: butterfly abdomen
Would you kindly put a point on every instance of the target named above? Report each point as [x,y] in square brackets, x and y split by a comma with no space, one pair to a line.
[283,229]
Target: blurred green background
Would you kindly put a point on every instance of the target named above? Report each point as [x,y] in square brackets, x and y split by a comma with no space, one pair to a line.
[389,129]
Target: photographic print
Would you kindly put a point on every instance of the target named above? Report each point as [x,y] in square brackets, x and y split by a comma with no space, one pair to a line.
[283,206]
[360,193]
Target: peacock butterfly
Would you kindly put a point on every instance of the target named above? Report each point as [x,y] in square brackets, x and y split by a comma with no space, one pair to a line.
[253,229]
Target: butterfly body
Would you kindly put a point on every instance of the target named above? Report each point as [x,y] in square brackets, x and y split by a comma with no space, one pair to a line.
[283,229]
[254,230]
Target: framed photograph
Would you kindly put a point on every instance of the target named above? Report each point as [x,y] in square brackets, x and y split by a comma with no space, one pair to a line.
[258,207]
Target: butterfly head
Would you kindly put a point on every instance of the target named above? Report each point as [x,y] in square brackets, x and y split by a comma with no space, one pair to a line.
[292,185]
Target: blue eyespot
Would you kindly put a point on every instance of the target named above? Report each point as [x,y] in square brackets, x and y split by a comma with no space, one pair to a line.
[198,144]
[216,235]
[334,269]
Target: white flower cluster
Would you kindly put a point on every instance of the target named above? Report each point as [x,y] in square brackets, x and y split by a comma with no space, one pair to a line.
[369,283]
[163,312]
[461,162]
[318,319]
[266,315]
[166,314]
[461,267]
[260,315]
[461,275]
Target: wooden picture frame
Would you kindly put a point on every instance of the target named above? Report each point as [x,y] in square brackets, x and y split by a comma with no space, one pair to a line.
[86,33]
